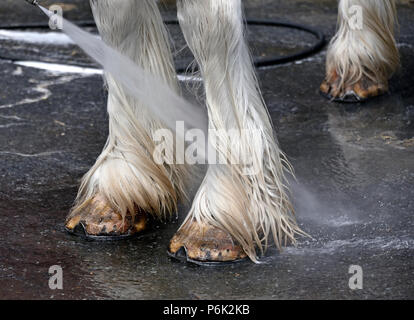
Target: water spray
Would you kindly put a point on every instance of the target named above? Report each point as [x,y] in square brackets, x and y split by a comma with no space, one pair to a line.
[159,99]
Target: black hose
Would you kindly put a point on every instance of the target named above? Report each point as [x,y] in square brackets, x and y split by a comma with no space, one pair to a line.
[270,61]
[259,62]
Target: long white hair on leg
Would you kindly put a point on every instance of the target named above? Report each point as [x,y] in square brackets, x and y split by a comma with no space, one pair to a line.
[250,206]
[364,45]
[125,174]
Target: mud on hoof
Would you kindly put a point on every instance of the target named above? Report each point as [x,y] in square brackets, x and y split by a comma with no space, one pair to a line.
[361,91]
[204,245]
[98,221]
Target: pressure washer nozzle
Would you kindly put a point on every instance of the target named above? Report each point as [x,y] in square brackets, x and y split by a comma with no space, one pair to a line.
[33,2]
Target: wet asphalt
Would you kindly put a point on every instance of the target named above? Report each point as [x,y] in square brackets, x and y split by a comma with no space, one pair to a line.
[354,164]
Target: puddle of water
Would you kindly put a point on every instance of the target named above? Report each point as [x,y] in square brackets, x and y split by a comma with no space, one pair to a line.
[64,68]
[33,37]
[58,68]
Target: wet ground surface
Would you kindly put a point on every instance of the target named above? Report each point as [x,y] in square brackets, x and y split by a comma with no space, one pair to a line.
[354,164]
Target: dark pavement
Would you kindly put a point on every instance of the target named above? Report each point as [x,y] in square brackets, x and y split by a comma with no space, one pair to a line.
[354,165]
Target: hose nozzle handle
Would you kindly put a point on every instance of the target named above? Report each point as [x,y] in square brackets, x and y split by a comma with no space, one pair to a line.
[33,2]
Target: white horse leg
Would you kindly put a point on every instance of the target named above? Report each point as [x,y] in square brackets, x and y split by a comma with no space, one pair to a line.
[238,206]
[125,184]
[363,55]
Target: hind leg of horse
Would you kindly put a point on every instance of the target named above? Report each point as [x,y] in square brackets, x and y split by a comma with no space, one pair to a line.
[363,54]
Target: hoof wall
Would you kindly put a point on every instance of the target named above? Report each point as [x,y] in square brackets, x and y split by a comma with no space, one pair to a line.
[99,222]
[364,90]
[203,244]
[80,231]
